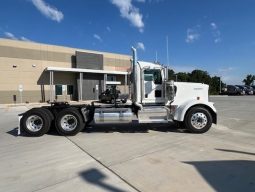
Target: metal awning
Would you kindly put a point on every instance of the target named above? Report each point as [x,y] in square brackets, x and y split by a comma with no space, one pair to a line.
[80,70]
[113,83]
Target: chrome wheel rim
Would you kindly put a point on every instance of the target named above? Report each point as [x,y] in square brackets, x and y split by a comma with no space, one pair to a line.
[68,122]
[199,120]
[34,123]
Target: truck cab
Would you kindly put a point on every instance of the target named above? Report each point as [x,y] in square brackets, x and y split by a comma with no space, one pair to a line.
[150,77]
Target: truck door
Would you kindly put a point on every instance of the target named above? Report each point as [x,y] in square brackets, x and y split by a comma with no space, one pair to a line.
[153,89]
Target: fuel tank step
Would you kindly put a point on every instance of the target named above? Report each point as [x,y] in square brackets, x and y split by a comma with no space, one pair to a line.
[153,115]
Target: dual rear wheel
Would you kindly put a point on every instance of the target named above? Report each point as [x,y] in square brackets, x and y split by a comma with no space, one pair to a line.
[37,122]
[69,122]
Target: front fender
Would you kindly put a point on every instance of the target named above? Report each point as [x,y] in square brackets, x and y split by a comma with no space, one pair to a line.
[182,109]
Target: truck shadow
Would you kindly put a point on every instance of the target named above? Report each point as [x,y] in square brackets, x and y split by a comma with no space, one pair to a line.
[134,128]
[228,175]
[14,132]
[111,128]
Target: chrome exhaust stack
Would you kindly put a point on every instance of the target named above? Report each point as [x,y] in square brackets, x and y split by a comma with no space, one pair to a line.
[134,75]
[136,81]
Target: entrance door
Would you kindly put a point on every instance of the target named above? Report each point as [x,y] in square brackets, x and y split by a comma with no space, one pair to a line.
[153,89]
[92,86]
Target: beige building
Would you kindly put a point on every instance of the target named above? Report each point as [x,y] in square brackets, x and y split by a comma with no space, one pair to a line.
[35,72]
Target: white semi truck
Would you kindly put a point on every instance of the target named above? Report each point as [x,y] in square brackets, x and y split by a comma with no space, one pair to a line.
[154,100]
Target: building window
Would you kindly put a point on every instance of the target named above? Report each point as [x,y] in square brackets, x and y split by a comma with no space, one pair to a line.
[111,78]
[58,89]
[69,89]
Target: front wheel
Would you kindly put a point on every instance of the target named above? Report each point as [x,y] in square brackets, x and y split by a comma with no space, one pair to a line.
[69,122]
[198,120]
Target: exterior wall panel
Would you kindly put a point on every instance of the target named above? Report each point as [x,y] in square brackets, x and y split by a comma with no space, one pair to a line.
[89,60]
[25,62]
[6,97]
[13,52]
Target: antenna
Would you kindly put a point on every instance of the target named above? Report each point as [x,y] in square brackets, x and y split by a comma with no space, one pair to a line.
[167,56]
[156,57]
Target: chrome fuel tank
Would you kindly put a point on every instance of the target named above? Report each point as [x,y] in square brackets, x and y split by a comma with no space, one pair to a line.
[113,115]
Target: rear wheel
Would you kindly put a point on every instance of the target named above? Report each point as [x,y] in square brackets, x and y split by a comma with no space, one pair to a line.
[198,120]
[49,113]
[35,122]
[69,122]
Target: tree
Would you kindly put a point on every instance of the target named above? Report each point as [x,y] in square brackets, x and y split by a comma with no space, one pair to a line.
[200,76]
[171,74]
[183,77]
[249,80]
[215,85]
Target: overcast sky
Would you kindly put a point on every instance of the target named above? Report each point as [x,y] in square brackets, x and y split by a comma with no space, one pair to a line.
[213,35]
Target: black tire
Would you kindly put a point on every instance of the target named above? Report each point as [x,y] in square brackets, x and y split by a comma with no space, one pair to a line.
[124,101]
[49,113]
[71,119]
[50,116]
[201,118]
[35,118]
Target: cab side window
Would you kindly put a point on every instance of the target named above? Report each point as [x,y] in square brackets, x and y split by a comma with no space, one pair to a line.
[153,75]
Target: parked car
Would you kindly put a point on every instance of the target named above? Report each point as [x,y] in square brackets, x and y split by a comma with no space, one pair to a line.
[249,90]
[243,89]
[234,90]
[253,86]
[108,96]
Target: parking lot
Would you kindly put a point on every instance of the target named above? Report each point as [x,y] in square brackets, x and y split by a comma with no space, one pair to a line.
[134,158]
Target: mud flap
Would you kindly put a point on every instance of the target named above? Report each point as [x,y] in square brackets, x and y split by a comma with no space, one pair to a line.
[19,131]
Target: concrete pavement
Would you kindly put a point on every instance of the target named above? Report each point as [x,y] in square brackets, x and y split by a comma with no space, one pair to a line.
[49,163]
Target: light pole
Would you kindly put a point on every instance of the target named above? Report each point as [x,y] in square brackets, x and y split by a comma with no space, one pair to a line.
[176,77]
[167,54]
[220,83]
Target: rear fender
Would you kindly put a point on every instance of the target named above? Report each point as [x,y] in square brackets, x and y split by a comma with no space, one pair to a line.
[182,109]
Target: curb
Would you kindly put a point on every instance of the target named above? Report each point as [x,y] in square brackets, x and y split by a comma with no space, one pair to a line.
[218,95]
